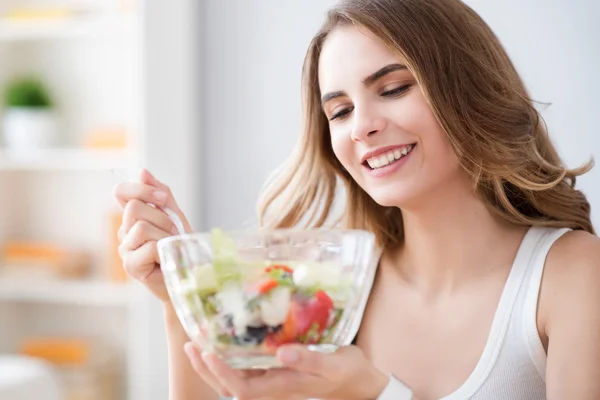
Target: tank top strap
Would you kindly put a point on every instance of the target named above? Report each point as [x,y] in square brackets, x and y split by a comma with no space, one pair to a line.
[530,302]
[522,262]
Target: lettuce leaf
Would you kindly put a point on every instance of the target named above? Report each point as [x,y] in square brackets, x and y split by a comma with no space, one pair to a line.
[226,260]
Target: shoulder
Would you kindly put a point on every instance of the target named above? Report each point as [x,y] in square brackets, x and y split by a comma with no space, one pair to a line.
[570,301]
[574,256]
[571,283]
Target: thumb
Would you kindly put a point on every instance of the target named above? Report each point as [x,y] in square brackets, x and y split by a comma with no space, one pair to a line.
[147,178]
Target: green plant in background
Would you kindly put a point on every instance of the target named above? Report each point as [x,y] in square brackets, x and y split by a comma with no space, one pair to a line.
[28,92]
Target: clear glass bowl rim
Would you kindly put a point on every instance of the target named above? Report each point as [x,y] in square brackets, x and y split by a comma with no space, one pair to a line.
[237,233]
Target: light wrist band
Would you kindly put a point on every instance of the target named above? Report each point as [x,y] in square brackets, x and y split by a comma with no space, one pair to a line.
[395,390]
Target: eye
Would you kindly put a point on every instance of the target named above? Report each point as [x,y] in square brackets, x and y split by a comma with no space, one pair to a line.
[342,113]
[396,91]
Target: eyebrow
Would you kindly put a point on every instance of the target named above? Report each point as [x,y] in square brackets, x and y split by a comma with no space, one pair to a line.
[368,81]
[374,77]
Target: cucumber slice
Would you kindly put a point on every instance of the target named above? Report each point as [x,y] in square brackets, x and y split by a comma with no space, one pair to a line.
[205,279]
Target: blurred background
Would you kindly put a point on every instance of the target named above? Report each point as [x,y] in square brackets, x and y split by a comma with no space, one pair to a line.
[206,94]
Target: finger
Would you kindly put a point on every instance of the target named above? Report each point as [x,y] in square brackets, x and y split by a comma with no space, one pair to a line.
[201,369]
[139,264]
[227,377]
[136,210]
[280,383]
[284,383]
[300,358]
[147,178]
[126,191]
[142,232]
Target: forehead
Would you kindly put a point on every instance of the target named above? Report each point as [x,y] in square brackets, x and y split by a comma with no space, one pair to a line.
[349,54]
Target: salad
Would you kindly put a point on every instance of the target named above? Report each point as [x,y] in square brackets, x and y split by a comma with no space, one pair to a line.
[264,304]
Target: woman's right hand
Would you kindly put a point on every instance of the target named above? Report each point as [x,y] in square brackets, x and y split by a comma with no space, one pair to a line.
[143,225]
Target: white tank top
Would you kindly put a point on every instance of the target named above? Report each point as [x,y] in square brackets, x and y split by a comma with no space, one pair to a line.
[513,362]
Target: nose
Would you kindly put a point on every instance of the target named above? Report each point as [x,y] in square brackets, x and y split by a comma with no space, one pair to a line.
[366,123]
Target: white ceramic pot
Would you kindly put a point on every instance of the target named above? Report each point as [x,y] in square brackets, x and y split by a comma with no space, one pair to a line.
[29,128]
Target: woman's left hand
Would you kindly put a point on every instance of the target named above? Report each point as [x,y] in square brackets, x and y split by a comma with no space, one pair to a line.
[345,374]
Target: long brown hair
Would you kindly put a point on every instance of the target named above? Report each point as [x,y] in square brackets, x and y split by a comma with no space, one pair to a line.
[477,97]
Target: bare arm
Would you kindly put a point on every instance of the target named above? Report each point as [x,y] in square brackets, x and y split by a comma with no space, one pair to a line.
[573,322]
[184,382]
[143,225]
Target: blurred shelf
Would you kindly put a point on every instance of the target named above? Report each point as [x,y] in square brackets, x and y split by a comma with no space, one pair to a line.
[66,159]
[92,293]
[64,28]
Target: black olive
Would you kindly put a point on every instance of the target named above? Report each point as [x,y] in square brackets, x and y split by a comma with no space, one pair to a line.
[228,321]
[254,335]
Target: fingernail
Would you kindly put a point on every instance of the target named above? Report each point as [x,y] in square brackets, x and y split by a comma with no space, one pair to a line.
[205,357]
[288,356]
[189,349]
[174,231]
[160,196]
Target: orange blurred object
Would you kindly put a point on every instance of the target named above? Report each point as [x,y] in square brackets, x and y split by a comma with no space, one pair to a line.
[116,271]
[127,5]
[107,138]
[45,257]
[38,13]
[89,370]
[57,351]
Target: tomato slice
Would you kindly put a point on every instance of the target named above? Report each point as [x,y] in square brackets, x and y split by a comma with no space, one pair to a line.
[267,285]
[287,333]
[306,320]
[279,266]
[314,314]
[324,299]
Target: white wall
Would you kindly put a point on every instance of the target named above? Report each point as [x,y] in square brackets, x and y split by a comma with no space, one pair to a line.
[172,69]
[253,53]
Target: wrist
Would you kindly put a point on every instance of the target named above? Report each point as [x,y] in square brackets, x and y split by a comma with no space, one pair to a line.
[376,385]
[395,389]
[170,314]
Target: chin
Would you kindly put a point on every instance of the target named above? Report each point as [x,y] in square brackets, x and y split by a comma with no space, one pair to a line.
[394,199]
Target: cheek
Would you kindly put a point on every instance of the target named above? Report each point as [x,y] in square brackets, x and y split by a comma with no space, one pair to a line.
[440,162]
[342,147]
[435,143]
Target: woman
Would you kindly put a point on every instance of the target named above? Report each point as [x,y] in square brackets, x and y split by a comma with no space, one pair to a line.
[488,286]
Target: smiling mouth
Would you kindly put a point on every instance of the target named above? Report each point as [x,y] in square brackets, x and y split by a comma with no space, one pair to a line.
[388,157]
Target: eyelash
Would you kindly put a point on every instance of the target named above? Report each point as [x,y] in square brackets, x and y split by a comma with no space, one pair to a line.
[389,93]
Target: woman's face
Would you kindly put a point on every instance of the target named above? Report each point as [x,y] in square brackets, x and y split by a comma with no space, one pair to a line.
[382,129]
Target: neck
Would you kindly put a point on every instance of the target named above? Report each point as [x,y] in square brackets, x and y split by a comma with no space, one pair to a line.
[454,237]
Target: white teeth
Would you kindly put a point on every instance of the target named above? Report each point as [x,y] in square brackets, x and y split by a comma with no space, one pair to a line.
[389,157]
[383,160]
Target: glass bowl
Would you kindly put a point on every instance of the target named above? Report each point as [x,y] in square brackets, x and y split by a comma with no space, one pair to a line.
[243,294]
